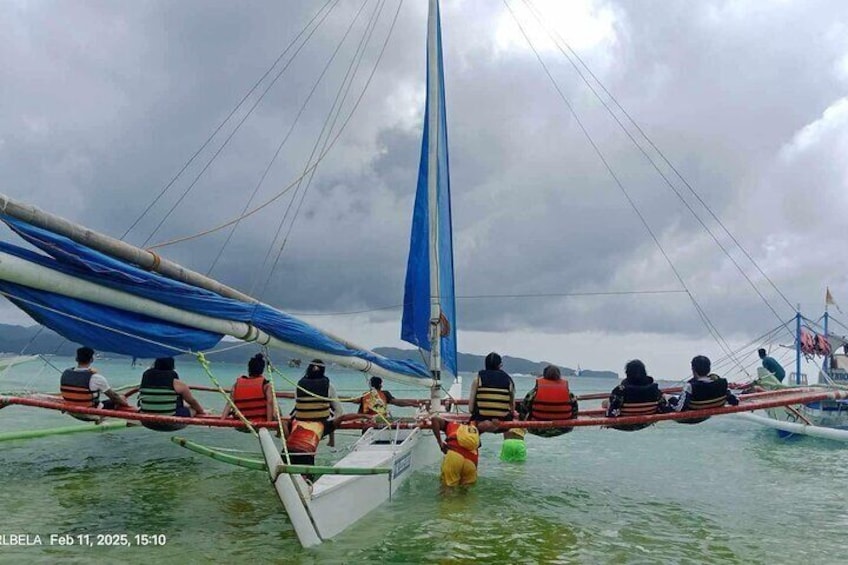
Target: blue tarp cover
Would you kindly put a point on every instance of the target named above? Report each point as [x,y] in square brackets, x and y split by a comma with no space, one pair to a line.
[97,323]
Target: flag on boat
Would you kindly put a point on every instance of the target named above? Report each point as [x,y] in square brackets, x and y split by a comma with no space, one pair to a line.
[428,298]
[829,301]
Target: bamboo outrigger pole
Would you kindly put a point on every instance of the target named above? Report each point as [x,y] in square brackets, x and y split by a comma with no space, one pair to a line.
[20,271]
[144,258]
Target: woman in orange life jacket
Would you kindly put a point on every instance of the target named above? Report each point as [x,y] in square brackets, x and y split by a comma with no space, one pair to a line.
[703,391]
[636,395]
[549,400]
[459,467]
[252,394]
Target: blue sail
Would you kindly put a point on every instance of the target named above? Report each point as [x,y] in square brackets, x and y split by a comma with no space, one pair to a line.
[111,329]
[417,291]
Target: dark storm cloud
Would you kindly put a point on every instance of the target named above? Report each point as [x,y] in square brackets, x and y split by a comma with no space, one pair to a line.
[104,102]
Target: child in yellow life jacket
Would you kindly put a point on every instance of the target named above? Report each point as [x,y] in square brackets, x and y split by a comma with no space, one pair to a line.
[459,467]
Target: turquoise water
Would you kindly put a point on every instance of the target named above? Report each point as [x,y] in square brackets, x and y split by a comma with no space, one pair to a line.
[726,491]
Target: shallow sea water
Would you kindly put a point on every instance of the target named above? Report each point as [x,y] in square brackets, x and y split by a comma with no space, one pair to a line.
[726,491]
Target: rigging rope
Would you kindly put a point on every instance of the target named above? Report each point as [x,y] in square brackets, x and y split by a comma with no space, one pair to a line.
[701,313]
[490,296]
[229,137]
[661,173]
[336,108]
[205,364]
[225,120]
[285,190]
[665,160]
[283,142]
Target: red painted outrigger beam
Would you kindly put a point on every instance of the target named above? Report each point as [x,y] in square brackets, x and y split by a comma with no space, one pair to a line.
[747,403]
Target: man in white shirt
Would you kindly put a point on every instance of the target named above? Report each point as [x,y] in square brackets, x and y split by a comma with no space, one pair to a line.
[83,385]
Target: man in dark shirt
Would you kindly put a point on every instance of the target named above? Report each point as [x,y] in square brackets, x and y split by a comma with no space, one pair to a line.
[772,366]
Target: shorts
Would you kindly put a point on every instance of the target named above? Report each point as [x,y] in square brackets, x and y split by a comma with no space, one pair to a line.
[514,451]
[457,470]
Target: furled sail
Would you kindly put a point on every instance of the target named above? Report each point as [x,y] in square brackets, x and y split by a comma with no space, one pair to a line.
[112,305]
[429,290]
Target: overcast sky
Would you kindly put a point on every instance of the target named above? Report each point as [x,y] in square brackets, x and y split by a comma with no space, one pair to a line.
[104,102]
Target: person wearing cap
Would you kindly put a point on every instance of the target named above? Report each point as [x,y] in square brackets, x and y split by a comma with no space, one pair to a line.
[772,365]
[252,394]
[492,394]
[377,400]
[82,385]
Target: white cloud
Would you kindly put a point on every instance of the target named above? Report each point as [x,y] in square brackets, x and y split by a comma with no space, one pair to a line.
[584,24]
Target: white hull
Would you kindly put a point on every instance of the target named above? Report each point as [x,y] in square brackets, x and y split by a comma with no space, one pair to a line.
[774,419]
[337,501]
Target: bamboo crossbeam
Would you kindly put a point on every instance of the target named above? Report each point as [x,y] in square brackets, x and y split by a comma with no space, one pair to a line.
[245,462]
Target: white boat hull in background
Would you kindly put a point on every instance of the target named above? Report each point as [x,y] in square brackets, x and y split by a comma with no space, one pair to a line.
[335,502]
[764,418]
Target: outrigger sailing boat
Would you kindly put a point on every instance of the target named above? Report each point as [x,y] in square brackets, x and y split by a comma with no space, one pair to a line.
[115,297]
[828,418]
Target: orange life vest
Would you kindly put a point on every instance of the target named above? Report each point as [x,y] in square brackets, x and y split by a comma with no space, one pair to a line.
[373,402]
[75,388]
[808,342]
[552,401]
[822,345]
[304,436]
[249,397]
[453,443]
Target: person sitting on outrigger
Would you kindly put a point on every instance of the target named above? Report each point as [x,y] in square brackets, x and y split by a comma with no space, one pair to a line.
[81,386]
[163,393]
[376,401]
[703,391]
[636,395]
[252,394]
[549,400]
[316,413]
[492,394]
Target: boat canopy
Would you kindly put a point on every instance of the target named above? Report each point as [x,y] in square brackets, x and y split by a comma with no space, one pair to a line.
[107,328]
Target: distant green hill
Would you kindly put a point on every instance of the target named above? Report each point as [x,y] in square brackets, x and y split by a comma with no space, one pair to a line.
[469,363]
[14,339]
